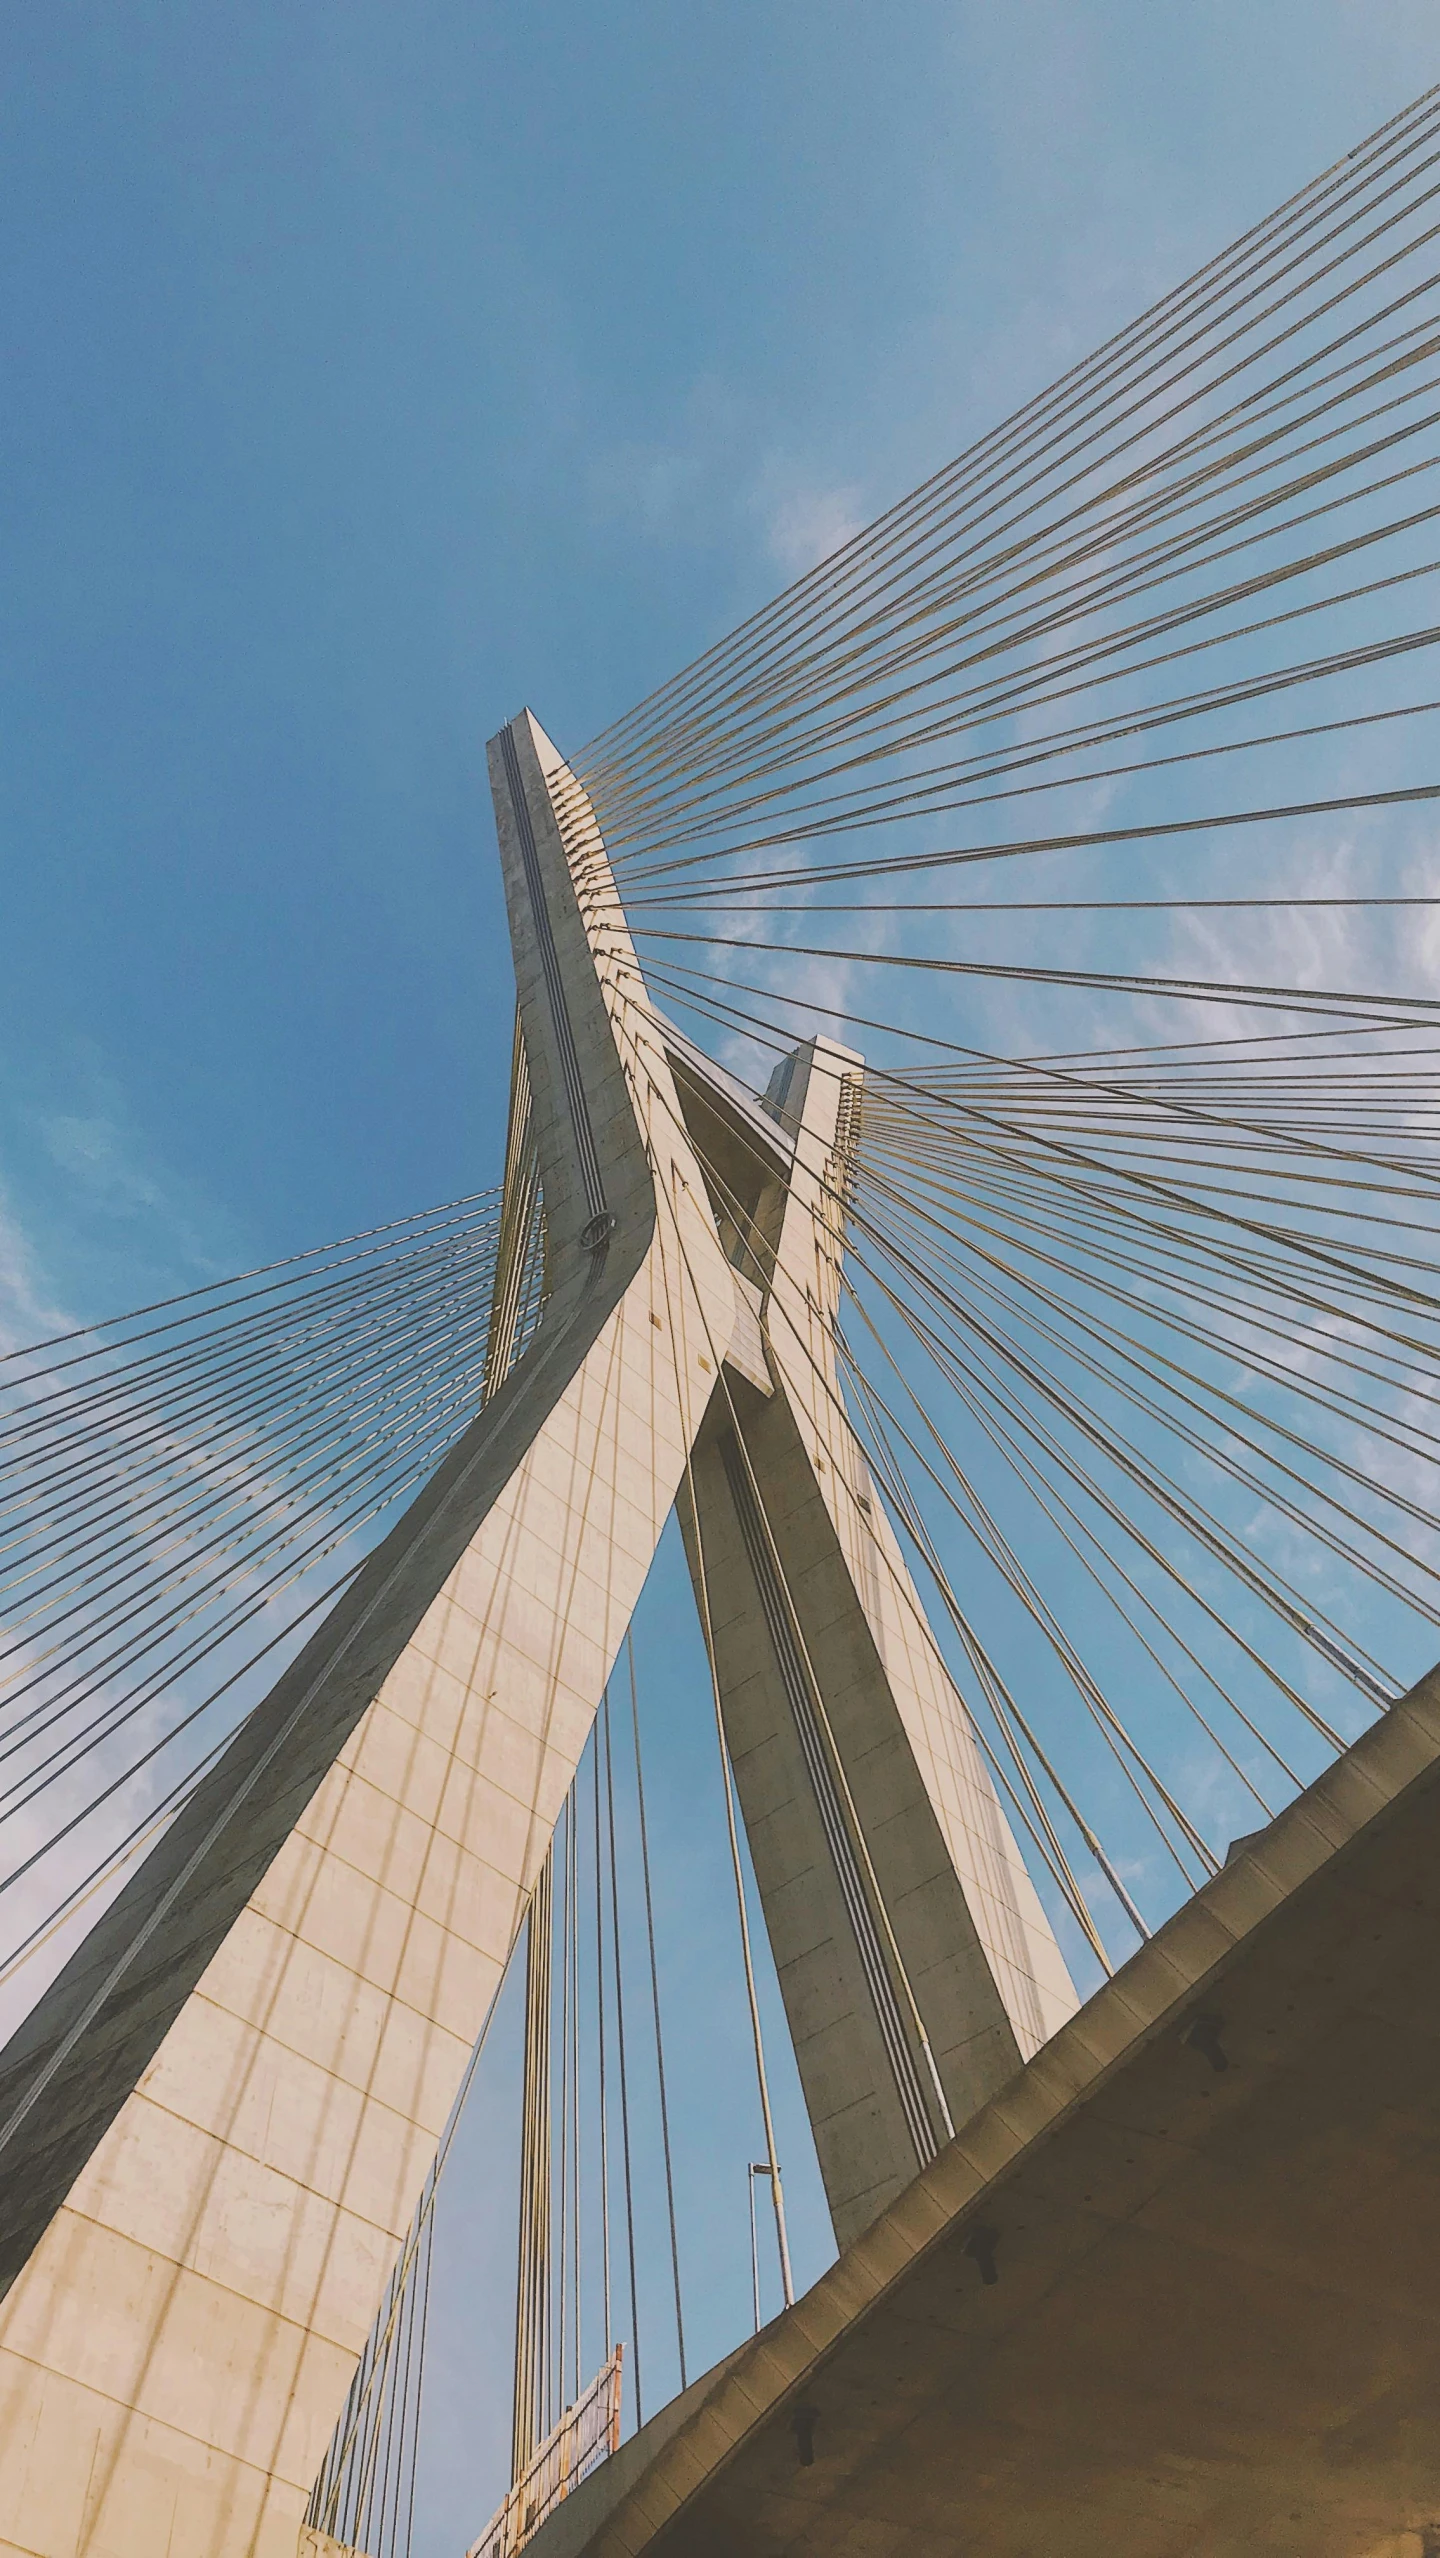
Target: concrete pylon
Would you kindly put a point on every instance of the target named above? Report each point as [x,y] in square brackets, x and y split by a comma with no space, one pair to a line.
[917,1966]
[215,2125]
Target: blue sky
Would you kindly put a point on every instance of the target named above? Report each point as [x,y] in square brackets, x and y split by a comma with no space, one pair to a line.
[370,371]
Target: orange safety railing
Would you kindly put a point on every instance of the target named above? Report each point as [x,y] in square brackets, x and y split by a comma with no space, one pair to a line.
[587,2433]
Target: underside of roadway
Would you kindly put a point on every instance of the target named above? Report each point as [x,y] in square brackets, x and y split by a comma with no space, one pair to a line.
[1177,2290]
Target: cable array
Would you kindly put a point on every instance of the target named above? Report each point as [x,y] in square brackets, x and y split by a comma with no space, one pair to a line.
[1139,1347]
[182,1490]
[1234,495]
[1138,1324]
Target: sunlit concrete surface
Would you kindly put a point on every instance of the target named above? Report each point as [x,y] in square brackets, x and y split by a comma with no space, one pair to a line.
[221,2114]
[1172,2294]
[215,2125]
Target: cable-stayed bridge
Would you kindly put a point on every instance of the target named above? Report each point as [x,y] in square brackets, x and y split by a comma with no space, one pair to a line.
[1050,1422]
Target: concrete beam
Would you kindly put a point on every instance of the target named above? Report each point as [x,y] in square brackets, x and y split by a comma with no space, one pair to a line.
[1172,2293]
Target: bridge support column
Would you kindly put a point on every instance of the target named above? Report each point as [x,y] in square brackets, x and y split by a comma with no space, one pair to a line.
[909,1939]
[215,2125]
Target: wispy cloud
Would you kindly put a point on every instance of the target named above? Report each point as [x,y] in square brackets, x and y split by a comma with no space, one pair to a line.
[29,1306]
[805,525]
[97,1153]
[680,487]
[111,1173]
[92,1218]
[714,478]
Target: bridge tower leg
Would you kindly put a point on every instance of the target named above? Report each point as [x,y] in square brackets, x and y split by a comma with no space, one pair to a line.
[917,1966]
[215,2125]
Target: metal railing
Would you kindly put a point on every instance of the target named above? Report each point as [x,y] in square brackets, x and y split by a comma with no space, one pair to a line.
[587,2433]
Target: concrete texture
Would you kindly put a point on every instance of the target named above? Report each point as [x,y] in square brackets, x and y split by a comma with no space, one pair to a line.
[1172,2293]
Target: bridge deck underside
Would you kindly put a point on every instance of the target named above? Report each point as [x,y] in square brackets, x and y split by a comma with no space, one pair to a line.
[1211,2208]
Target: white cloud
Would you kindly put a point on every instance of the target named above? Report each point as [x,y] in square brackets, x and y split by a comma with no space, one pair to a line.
[29,1310]
[99,1181]
[96,1152]
[651,488]
[714,479]
[808,524]
[681,486]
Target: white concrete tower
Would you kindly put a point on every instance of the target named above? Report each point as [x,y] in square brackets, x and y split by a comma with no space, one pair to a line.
[215,2125]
